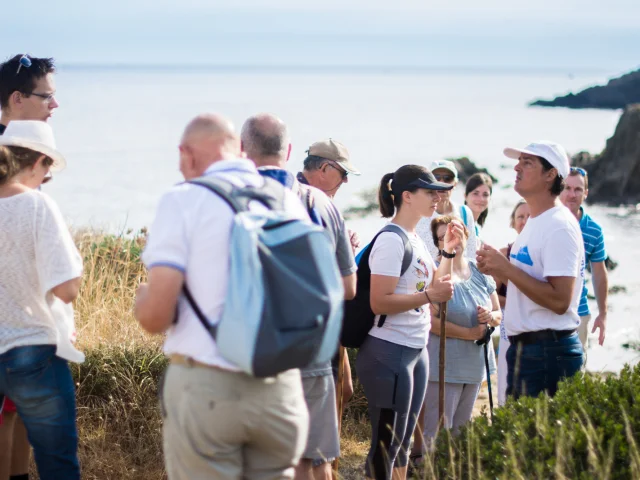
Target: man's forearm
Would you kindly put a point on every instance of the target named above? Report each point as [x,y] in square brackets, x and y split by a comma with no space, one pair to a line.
[600,286]
[541,293]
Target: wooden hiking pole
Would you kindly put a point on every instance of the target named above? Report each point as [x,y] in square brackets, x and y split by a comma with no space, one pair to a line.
[339,401]
[443,344]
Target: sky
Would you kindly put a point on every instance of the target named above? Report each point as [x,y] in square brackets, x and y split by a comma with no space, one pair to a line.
[554,34]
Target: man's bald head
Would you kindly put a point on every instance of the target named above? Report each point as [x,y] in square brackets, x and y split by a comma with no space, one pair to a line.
[265,140]
[208,138]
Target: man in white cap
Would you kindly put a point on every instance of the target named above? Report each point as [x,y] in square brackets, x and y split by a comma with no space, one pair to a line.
[545,275]
[445,171]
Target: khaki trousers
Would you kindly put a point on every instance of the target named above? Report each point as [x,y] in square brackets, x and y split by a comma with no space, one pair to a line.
[583,335]
[223,425]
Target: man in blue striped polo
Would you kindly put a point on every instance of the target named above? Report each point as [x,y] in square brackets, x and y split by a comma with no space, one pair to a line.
[575,192]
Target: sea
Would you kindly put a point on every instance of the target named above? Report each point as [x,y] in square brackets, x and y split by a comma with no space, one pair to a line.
[119,129]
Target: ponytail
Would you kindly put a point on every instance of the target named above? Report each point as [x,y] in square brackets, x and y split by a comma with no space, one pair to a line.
[385,196]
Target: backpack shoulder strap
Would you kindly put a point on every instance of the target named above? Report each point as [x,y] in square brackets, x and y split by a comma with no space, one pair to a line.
[406,259]
[463,214]
[408,248]
[220,187]
[271,194]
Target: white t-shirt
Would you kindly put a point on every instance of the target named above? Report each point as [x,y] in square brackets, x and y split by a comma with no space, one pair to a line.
[411,328]
[37,254]
[550,245]
[423,229]
[191,233]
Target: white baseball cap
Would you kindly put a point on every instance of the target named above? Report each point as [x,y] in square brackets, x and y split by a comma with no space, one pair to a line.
[34,135]
[552,152]
[445,165]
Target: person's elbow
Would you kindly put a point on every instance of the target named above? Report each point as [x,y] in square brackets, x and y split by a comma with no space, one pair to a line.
[152,321]
[349,283]
[561,306]
[67,291]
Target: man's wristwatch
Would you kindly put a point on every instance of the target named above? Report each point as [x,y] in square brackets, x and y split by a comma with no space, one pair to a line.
[448,255]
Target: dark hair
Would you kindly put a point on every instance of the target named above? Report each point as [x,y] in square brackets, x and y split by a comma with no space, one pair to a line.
[14,159]
[406,174]
[558,183]
[512,221]
[444,220]
[474,182]
[24,81]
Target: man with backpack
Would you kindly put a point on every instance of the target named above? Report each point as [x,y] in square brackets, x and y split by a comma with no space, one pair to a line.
[222,419]
[265,140]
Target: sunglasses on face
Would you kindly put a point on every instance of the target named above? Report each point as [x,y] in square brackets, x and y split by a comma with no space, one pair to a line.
[444,178]
[342,172]
[579,170]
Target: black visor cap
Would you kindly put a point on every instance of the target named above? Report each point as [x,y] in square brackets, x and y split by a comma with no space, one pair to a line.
[426,180]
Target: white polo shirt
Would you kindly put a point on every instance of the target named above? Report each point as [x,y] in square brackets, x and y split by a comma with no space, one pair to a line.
[191,233]
[550,245]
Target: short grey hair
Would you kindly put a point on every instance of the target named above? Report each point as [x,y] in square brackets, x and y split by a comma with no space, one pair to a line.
[264,135]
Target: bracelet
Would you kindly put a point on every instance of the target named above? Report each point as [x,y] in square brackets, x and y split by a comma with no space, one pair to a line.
[427,295]
[447,255]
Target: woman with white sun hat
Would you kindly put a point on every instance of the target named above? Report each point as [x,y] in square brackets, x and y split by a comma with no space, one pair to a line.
[40,270]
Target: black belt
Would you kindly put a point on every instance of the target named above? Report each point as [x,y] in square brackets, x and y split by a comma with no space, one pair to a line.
[541,336]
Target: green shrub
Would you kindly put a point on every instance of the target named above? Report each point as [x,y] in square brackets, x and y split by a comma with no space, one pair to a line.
[588,430]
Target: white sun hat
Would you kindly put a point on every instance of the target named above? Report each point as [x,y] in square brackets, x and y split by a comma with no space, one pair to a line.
[552,152]
[34,135]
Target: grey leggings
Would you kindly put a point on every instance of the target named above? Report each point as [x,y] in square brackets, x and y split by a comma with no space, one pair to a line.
[394,378]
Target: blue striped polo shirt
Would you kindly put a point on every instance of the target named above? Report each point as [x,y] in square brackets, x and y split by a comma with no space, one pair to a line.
[594,252]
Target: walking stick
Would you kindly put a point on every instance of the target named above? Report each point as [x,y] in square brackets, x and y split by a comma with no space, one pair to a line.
[339,394]
[485,343]
[443,344]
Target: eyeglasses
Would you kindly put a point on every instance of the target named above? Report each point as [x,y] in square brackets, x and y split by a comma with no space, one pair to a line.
[579,170]
[343,172]
[24,61]
[47,97]
[444,178]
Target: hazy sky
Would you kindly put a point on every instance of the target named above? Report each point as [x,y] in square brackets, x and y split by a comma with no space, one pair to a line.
[484,33]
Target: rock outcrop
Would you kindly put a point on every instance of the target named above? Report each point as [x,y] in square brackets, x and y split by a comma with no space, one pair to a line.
[614,175]
[617,93]
[466,168]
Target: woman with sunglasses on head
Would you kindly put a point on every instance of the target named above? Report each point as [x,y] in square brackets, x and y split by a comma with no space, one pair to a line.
[472,310]
[518,220]
[40,270]
[392,364]
[477,194]
[445,171]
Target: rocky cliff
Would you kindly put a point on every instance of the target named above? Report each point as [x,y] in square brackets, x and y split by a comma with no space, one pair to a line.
[617,93]
[614,175]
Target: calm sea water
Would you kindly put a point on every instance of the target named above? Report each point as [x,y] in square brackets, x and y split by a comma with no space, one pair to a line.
[120,129]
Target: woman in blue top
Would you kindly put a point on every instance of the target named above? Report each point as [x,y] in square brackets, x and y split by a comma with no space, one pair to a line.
[472,309]
[477,194]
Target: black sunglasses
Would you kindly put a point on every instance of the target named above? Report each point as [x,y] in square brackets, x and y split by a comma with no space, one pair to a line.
[343,172]
[444,178]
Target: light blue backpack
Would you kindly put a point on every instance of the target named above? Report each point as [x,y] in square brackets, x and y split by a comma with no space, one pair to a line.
[284,302]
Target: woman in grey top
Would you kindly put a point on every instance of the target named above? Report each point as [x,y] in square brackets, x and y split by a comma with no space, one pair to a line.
[473,307]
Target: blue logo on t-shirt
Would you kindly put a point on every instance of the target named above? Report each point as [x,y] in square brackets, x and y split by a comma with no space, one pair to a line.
[523,256]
